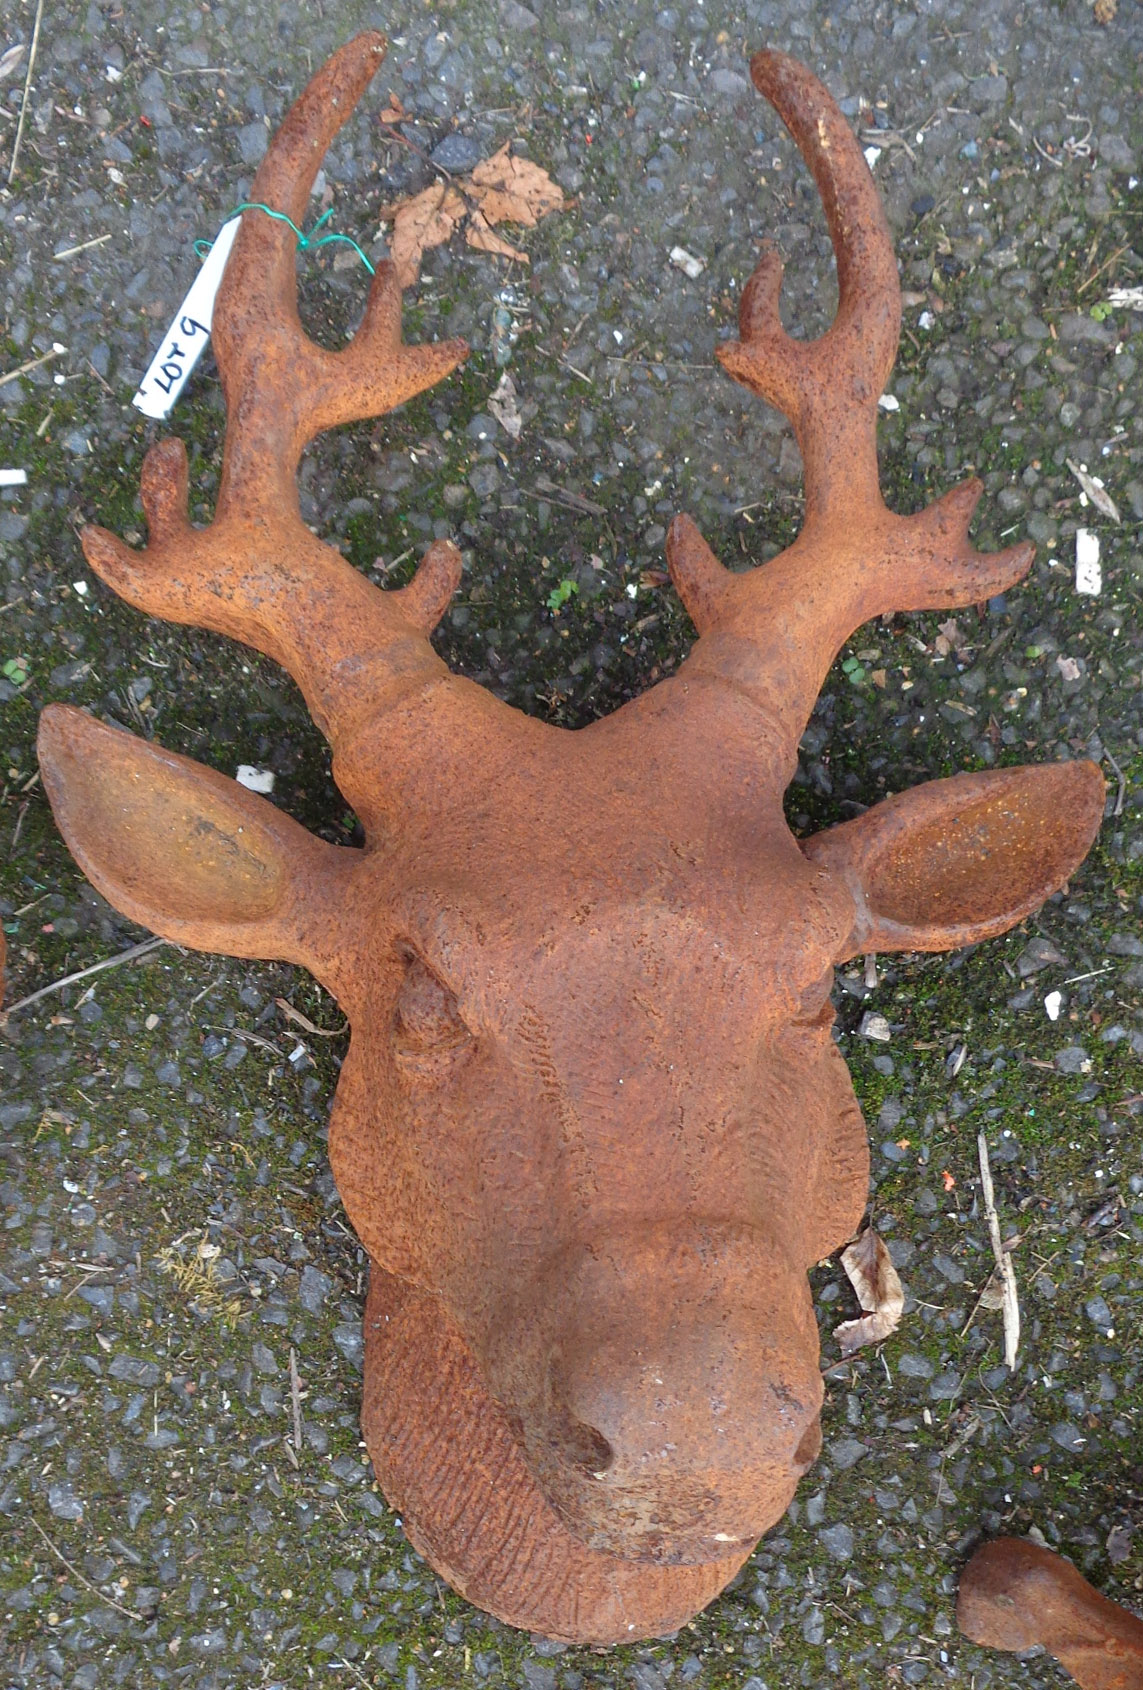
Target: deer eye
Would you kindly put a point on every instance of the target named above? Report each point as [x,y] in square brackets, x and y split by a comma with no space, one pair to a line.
[428,1020]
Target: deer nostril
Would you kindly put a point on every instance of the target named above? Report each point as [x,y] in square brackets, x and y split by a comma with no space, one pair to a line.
[586,1447]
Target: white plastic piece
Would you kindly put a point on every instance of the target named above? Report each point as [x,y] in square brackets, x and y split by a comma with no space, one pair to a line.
[889,402]
[13,478]
[872,154]
[687,262]
[1053,1003]
[255,779]
[183,342]
[1089,573]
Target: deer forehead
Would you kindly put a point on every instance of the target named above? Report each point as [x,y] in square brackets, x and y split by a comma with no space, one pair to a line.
[517,933]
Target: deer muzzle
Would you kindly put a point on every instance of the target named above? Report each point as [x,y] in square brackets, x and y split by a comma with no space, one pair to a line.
[679,1394]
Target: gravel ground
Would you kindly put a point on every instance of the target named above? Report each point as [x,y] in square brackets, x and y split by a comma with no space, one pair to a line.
[172,1235]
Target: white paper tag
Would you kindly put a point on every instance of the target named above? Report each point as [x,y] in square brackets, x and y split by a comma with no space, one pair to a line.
[183,342]
[1089,574]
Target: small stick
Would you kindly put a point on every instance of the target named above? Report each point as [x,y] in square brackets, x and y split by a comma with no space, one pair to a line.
[32,364]
[27,85]
[70,251]
[306,1024]
[129,955]
[1003,1259]
[1121,778]
[75,1572]
[296,1400]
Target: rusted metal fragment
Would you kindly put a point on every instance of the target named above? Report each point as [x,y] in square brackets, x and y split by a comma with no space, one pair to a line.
[1015,1595]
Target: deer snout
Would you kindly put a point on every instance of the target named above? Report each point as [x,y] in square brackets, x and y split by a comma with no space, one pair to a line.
[683,1410]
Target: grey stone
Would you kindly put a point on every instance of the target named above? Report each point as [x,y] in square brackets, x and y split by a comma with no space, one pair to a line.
[457,153]
[63,1502]
[133,1371]
[1099,1313]
[313,1289]
[253,140]
[837,1541]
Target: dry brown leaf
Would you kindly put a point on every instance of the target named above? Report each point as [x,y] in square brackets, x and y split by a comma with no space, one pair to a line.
[878,1290]
[425,220]
[501,189]
[514,190]
[1104,11]
[394,112]
[478,234]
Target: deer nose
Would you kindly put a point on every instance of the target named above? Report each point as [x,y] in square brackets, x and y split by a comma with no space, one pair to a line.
[707,1401]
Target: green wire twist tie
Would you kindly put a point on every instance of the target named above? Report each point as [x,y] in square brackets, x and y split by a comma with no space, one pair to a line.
[304,241]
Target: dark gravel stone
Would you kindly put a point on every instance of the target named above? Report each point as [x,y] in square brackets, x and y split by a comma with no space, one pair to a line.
[457,153]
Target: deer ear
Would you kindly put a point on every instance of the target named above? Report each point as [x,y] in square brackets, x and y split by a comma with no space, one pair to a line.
[961,860]
[183,850]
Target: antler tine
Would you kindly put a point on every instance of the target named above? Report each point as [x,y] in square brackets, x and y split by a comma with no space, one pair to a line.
[843,374]
[270,369]
[257,573]
[777,629]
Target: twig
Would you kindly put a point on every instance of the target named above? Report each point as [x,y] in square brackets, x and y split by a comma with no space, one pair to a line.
[296,1399]
[32,364]
[129,955]
[1003,1259]
[73,1570]
[70,251]
[27,85]
[403,140]
[1083,287]
[336,1666]
[1053,161]
[1121,778]
[307,1026]
[964,1437]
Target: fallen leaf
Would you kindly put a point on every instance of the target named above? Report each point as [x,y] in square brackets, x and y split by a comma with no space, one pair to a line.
[502,404]
[394,112]
[10,58]
[513,190]
[477,233]
[1095,491]
[949,1180]
[878,1290]
[1069,668]
[425,220]
[1104,11]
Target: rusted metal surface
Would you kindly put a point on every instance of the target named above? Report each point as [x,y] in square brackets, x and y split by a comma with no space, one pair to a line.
[1015,1595]
[592,1128]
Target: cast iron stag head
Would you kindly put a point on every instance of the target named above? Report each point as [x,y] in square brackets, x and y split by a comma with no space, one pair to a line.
[592,1127]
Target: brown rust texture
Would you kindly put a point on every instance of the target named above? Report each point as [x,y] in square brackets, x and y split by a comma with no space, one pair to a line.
[1015,1595]
[592,1128]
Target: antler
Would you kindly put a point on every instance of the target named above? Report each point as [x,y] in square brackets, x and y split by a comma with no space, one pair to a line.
[777,629]
[257,573]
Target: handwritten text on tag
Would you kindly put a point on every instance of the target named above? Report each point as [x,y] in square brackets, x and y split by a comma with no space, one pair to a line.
[183,342]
